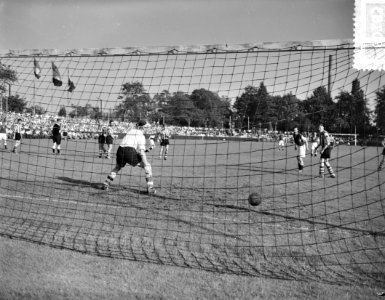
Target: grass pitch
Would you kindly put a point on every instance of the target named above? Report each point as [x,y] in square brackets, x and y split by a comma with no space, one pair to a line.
[307,228]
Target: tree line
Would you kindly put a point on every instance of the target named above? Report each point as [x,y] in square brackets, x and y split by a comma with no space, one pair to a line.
[254,109]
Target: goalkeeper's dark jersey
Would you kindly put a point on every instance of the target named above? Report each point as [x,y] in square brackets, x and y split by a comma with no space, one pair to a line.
[56,129]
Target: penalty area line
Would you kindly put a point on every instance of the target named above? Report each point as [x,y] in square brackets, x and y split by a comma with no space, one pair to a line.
[50,200]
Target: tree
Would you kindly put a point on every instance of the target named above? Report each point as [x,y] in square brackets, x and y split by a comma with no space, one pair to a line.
[92,112]
[7,76]
[36,109]
[15,103]
[136,102]
[344,119]
[62,112]
[242,104]
[360,115]
[255,106]
[162,102]
[210,107]
[181,110]
[259,108]
[319,108]
[380,110]
[287,111]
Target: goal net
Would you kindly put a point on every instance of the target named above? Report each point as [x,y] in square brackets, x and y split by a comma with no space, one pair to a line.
[225,108]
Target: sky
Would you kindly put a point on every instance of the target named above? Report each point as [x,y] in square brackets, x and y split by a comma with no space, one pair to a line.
[69,24]
[79,24]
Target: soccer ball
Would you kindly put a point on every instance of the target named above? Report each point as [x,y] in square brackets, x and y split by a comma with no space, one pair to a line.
[255,199]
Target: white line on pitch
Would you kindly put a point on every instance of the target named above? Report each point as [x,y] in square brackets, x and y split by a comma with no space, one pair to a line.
[46,199]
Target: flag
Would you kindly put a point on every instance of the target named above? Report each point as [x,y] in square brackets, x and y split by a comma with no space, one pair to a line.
[36,69]
[56,79]
[71,85]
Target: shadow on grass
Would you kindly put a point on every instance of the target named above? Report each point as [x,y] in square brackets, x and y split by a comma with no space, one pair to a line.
[79,182]
[370,232]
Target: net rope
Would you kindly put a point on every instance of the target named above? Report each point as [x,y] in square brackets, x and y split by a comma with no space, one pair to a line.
[306,228]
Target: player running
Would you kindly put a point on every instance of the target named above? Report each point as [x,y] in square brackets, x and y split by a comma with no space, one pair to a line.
[132,151]
[326,149]
[164,136]
[300,144]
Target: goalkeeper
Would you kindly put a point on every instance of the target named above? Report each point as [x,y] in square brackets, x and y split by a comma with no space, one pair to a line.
[131,151]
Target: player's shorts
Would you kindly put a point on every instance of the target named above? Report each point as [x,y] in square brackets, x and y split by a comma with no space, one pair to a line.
[102,139]
[17,136]
[164,142]
[3,137]
[127,155]
[326,154]
[56,139]
[109,140]
[65,133]
[383,151]
[281,143]
[301,151]
[314,145]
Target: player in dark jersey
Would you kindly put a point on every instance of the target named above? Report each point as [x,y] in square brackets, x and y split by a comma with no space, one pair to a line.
[56,137]
[326,149]
[164,136]
[102,142]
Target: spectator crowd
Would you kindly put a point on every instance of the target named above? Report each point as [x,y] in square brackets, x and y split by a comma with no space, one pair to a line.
[40,126]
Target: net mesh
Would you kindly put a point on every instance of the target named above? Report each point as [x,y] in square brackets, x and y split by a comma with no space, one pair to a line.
[306,228]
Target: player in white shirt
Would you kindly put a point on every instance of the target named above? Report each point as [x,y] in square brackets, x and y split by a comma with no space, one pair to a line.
[3,132]
[17,136]
[131,151]
[314,141]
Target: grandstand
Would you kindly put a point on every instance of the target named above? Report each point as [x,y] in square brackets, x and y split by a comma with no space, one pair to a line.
[307,228]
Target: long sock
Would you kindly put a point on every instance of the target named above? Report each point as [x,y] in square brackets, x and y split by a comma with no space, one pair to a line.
[321,169]
[330,169]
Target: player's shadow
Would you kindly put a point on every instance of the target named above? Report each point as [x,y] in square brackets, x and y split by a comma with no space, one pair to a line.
[329,225]
[79,182]
[98,186]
